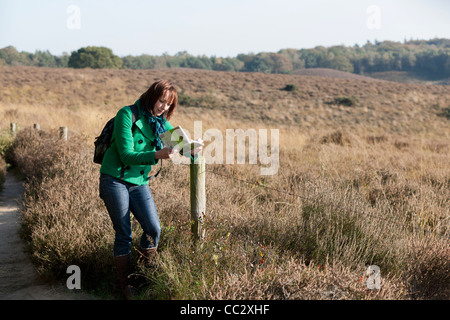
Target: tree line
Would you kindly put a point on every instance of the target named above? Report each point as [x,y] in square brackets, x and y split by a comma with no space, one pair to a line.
[428,58]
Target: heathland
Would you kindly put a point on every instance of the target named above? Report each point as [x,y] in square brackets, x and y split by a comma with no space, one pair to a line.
[363,180]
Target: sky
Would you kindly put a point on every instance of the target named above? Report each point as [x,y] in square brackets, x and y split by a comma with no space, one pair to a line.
[222,28]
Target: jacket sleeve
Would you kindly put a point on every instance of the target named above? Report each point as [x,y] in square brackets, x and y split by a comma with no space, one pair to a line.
[125,143]
[168,126]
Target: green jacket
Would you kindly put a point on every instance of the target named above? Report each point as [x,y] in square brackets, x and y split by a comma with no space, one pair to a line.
[132,154]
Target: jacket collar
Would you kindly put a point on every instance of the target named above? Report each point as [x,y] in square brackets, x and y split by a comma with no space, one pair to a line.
[143,125]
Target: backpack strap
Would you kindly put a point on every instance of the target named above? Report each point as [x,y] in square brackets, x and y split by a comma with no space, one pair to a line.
[134,113]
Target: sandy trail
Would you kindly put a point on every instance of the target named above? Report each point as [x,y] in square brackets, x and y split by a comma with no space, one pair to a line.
[19,279]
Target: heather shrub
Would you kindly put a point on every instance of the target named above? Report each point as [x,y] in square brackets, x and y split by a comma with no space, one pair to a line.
[429,269]
[63,219]
[39,153]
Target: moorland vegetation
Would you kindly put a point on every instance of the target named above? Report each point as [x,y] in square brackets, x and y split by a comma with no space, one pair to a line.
[363,180]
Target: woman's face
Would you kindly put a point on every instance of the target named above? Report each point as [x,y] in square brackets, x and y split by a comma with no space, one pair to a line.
[162,105]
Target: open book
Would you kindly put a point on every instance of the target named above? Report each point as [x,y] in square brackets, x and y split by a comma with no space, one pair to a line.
[177,139]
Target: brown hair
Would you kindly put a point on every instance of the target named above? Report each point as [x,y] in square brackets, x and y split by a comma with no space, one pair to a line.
[156,91]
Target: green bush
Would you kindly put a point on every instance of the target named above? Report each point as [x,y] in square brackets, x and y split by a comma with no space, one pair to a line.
[346,101]
[291,87]
[94,57]
[445,113]
[6,140]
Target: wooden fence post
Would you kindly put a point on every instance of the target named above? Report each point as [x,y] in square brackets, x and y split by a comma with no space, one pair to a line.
[13,127]
[198,197]
[63,133]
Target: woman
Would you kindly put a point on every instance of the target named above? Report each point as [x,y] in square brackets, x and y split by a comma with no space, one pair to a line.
[124,174]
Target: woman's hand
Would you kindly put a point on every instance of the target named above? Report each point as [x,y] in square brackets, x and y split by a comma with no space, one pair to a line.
[165,153]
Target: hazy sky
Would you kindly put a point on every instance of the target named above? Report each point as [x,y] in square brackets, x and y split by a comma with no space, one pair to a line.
[215,27]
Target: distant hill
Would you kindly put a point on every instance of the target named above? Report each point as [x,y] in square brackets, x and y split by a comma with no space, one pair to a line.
[396,76]
[407,77]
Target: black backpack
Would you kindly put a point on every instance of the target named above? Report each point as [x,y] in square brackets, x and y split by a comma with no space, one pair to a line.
[104,140]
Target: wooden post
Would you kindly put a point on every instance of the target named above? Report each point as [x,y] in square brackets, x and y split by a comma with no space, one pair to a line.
[13,127]
[63,133]
[36,126]
[198,197]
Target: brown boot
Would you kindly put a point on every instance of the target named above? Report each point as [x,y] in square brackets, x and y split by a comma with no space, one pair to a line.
[124,270]
[147,255]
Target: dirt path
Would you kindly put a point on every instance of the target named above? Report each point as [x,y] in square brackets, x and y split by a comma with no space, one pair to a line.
[18,277]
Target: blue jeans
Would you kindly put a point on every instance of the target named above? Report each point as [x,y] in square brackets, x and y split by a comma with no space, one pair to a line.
[120,198]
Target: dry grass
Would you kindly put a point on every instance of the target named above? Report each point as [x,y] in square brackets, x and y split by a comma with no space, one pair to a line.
[84,99]
[356,185]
